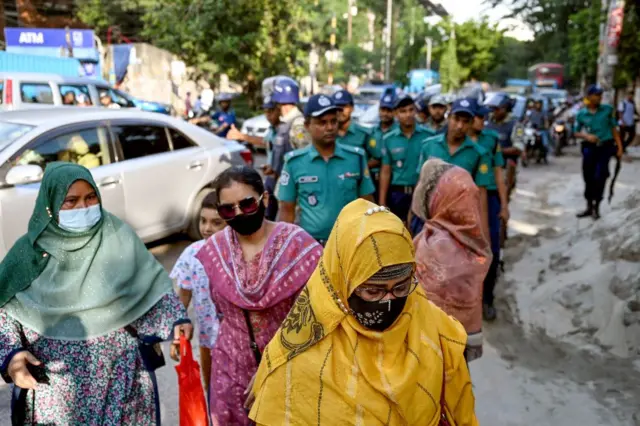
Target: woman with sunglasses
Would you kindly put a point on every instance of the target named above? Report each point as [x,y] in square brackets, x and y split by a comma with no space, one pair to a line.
[363,345]
[256,268]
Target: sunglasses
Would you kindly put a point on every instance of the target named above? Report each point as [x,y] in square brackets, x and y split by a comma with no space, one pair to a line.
[248,206]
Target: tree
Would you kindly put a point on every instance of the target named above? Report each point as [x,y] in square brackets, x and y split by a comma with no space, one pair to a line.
[449,68]
[583,43]
[124,14]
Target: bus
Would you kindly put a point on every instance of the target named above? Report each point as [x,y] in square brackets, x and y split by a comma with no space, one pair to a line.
[547,75]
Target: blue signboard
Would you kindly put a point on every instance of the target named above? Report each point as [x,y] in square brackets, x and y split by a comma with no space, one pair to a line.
[48,37]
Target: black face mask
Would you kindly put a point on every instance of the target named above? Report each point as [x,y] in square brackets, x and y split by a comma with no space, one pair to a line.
[377,316]
[248,224]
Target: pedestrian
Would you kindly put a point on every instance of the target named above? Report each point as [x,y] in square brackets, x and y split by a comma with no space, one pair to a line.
[400,155]
[349,132]
[188,107]
[628,116]
[596,124]
[452,253]
[363,345]
[497,200]
[455,147]
[510,135]
[375,146]
[286,94]
[323,177]
[256,268]
[276,144]
[79,291]
[197,107]
[225,117]
[437,114]
[192,282]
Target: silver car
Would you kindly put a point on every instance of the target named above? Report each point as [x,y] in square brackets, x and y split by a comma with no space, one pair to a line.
[153,170]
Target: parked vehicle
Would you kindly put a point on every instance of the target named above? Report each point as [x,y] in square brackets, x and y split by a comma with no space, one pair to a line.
[153,170]
[20,90]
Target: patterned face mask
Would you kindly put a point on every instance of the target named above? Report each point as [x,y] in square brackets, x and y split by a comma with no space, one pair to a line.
[378,315]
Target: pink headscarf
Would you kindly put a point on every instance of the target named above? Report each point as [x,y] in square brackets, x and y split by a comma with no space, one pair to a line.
[452,253]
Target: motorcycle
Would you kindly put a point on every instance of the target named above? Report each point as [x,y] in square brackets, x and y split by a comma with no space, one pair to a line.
[533,146]
[560,137]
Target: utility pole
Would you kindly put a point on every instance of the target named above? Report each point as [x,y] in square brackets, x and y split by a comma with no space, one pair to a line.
[609,39]
[349,20]
[387,63]
[332,41]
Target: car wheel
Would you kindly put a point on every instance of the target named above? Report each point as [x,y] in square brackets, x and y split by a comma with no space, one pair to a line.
[193,229]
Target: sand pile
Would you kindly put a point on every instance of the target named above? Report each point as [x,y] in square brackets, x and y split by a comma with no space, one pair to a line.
[578,281]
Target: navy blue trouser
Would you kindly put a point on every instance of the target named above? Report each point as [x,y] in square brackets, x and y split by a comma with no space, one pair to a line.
[595,169]
[272,208]
[400,203]
[494,207]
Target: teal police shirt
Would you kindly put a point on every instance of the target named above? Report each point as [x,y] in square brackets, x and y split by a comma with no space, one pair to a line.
[375,144]
[403,154]
[469,156]
[268,140]
[600,123]
[356,136]
[322,188]
[490,141]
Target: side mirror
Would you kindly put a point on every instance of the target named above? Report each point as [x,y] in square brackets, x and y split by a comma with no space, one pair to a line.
[23,174]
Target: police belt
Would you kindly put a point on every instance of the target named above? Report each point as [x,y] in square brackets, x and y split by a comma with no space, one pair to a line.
[404,189]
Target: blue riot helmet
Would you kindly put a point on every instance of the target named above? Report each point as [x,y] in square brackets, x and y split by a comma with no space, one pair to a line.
[286,91]
[499,100]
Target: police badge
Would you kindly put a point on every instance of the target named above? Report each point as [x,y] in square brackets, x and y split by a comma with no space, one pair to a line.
[312,200]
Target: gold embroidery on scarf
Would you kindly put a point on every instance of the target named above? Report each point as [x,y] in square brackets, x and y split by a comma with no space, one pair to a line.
[324,364]
[300,323]
[287,395]
[429,342]
[359,415]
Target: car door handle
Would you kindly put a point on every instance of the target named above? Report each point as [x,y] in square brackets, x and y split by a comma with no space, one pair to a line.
[109,182]
[195,165]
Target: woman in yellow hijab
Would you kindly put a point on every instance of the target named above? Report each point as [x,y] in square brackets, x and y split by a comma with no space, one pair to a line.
[362,345]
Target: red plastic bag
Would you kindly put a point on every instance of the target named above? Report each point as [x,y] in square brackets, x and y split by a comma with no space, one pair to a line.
[193,407]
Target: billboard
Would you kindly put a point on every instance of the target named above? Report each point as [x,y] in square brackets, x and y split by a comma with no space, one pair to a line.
[48,37]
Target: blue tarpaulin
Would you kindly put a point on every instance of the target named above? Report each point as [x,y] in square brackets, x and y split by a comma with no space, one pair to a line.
[121,55]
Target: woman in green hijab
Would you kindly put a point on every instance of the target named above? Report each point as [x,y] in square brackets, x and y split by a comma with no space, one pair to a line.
[80,296]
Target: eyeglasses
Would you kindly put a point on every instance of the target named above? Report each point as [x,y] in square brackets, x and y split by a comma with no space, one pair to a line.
[248,206]
[372,293]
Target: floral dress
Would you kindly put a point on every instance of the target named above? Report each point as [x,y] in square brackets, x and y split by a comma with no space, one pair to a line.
[100,381]
[190,275]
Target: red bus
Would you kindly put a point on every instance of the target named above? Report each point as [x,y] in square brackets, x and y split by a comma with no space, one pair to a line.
[547,75]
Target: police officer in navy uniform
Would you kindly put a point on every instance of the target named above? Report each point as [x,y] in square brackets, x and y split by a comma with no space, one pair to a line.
[510,133]
[349,132]
[225,117]
[323,177]
[437,114]
[387,123]
[286,94]
[596,124]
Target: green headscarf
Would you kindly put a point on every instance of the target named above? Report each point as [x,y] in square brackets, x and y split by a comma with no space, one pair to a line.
[77,286]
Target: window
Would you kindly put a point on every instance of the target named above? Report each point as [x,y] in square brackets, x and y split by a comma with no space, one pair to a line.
[87,147]
[9,132]
[179,140]
[112,98]
[75,95]
[36,93]
[140,140]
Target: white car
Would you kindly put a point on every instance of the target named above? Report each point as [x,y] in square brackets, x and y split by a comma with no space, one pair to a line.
[153,171]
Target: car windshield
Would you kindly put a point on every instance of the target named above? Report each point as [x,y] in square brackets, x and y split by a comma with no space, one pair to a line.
[9,132]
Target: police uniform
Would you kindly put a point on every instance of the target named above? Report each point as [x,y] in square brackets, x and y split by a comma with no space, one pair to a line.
[221,117]
[436,128]
[596,157]
[322,188]
[356,136]
[297,135]
[402,154]
[275,162]
[287,92]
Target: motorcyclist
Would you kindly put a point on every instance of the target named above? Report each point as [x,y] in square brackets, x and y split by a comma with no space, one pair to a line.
[510,134]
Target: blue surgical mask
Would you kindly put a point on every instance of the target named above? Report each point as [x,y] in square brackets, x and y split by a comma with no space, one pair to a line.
[80,220]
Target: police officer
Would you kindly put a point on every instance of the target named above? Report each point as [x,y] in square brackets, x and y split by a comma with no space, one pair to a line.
[349,133]
[510,134]
[422,110]
[225,117]
[596,124]
[375,145]
[437,112]
[455,147]
[276,147]
[286,94]
[497,205]
[400,154]
[324,176]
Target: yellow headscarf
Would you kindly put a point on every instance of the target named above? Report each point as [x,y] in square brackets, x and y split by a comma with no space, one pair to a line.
[324,368]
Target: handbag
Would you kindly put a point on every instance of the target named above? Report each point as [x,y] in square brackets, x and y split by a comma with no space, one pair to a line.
[254,346]
[193,406]
[151,352]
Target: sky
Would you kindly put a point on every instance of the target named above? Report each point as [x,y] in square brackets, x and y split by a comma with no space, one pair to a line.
[463,10]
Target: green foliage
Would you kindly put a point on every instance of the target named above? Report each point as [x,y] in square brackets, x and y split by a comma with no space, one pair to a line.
[514,57]
[450,70]
[584,32]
